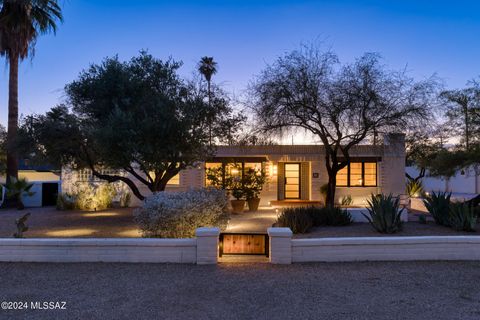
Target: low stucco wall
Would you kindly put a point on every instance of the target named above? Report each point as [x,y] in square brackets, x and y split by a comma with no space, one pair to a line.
[386,249]
[201,250]
[98,250]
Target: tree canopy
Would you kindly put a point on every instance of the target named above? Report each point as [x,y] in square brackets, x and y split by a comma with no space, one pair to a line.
[138,116]
[342,105]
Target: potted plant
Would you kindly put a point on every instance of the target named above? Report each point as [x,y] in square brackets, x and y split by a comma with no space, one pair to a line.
[238,204]
[254,181]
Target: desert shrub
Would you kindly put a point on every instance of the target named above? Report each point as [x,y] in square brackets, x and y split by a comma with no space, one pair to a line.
[337,216]
[125,199]
[462,217]
[384,214]
[87,196]
[438,204]
[300,217]
[178,214]
[414,188]
[346,200]
[299,220]
[65,201]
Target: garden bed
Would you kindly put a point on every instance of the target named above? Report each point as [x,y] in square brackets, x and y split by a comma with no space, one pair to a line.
[413,228]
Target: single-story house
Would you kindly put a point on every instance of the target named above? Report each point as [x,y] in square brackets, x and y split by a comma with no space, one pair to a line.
[297,172]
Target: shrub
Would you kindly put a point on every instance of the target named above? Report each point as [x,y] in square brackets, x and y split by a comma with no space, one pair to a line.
[65,201]
[21,225]
[463,217]
[414,188]
[87,196]
[303,218]
[337,216]
[17,188]
[299,220]
[384,215]
[346,200]
[438,204]
[178,214]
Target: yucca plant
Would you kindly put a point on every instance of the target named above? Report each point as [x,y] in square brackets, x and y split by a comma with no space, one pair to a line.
[384,214]
[463,217]
[438,204]
[415,188]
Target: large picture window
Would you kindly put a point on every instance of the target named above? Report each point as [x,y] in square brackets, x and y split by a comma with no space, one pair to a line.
[218,172]
[358,174]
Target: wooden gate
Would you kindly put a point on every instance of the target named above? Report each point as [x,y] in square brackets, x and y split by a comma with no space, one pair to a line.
[244,243]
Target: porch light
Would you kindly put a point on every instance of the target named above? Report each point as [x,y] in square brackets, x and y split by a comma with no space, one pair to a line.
[274,171]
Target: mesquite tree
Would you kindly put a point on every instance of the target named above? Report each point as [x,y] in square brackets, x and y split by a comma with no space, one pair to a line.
[138,117]
[342,105]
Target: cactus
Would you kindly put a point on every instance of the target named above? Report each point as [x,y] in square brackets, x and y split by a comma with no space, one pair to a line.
[463,217]
[384,214]
[21,226]
[438,204]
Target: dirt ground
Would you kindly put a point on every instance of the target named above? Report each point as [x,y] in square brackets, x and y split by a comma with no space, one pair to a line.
[380,290]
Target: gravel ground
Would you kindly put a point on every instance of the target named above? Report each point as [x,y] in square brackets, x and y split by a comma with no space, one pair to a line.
[49,222]
[380,290]
[412,228]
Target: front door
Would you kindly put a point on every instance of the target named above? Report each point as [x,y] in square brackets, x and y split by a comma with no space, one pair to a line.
[292,180]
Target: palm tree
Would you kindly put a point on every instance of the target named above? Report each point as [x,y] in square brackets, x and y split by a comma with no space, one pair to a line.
[21,22]
[208,67]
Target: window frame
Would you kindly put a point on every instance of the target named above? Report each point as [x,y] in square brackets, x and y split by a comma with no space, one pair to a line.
[349,184]
[224,165]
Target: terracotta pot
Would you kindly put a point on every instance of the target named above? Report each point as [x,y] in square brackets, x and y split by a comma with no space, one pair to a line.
[237,205]
[253,204]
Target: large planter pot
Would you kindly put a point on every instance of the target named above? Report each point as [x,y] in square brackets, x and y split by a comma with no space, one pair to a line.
[253,204]
[237,205]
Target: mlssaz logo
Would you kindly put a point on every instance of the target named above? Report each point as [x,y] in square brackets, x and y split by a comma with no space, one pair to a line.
[59,305]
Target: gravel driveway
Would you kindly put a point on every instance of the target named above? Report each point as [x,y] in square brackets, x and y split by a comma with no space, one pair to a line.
[381,290]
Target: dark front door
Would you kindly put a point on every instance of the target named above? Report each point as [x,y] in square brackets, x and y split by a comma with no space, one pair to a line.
[292,180]
[49,194]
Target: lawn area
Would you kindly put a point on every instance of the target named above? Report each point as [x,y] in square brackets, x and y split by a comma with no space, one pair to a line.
[381,290]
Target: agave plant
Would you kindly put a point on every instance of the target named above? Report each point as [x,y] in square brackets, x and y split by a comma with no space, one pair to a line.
[21,225]
[384,214]
[17,188]
[438,204]
[463,217]
[415,188]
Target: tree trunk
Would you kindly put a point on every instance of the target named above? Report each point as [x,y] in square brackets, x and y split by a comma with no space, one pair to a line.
[12,154]
[332,184]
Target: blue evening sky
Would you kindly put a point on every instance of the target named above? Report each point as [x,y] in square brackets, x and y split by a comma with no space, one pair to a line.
[427,36]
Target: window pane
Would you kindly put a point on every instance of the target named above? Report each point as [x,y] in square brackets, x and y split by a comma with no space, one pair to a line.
[370,174]
[356,174]
[175,180]
[342,177]
[213,174]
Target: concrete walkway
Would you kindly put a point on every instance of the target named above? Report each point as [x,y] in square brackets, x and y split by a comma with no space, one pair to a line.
[248,221]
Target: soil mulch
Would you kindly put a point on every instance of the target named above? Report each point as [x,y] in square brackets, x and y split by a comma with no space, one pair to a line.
[411,228]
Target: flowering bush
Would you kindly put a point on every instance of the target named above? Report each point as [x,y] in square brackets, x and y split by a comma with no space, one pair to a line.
[178,214]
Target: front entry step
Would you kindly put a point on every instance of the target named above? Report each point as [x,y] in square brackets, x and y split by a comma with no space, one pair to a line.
[255,244]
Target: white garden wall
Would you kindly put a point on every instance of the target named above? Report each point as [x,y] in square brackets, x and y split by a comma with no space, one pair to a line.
[284,250]
[198,250]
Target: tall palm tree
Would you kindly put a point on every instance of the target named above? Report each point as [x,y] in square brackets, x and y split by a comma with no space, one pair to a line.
[21,22]
[208,67]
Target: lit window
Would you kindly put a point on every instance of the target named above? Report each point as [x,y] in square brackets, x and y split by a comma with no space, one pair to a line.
[213,174]
[358,174]
[370,175]
[175,180]
[342,177]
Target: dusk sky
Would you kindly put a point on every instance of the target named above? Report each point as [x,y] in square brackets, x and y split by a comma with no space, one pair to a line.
[426,36]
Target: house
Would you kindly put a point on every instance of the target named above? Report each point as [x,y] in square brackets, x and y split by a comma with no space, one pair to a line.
[297,172]
[46,183]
